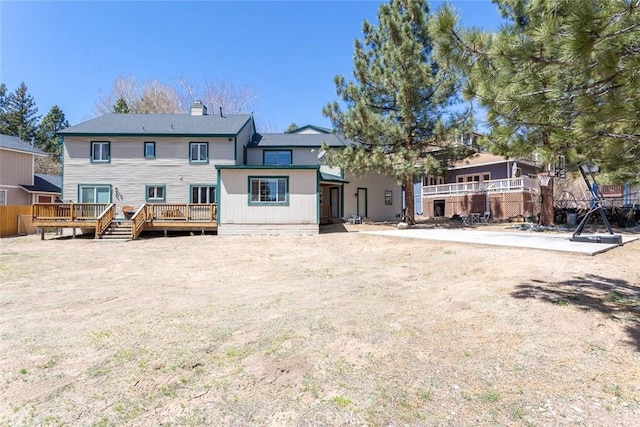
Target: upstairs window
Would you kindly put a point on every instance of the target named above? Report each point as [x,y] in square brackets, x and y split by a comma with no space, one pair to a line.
[149,150]
[277,158]
[100,151]
[198,152]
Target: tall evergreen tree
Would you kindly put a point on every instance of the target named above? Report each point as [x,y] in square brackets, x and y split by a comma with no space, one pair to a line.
[121,106]
[3,108]
[560,77]
[291,128]
[46,137]
[20,117]
[398,109]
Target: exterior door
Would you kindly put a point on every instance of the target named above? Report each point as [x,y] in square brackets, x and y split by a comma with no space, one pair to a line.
[334,201]
[361,207]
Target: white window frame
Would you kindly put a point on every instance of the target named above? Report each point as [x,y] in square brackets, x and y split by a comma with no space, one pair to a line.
[97,147]
[155,192]
[264,183]
[199,154]
[3,197]
[199,188]
[95,188]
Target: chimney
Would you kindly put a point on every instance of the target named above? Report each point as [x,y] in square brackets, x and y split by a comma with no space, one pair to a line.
[198,109]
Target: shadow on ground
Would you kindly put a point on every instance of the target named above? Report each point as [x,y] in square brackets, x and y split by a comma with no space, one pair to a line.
[333,228]
[618,299]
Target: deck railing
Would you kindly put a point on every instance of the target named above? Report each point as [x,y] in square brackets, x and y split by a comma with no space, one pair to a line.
[492,186]
[182,212]
[67,211]
[138,220]
[104,220]
[101,215]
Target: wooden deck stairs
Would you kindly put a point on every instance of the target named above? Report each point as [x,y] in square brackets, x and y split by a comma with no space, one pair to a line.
[102,219]
[119,229]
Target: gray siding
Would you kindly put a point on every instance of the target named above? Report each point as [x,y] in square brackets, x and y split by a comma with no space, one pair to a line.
[234,205]
[243,138]
[267,229]
[299,156]
[376,185]
[129,172]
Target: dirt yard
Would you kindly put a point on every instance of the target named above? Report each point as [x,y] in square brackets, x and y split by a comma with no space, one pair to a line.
[329,330]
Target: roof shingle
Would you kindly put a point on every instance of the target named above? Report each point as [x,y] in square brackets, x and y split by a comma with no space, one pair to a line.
[298,140]
[14,143]
[160,124]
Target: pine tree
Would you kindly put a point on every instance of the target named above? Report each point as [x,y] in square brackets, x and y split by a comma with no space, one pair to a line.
[121,106]
[3,109]
[47,138]
[291,128]
[398,110]
[560,77]
[20,116]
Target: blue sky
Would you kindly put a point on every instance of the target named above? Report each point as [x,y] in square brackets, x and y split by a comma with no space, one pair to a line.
[288,52]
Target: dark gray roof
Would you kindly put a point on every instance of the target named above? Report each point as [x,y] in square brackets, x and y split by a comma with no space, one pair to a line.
[44,184]
[160,124]
[298,140]
[14,143]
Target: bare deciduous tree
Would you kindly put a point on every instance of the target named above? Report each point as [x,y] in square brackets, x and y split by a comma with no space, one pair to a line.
[154,96]
[215,95]
[157,97]
[123,88]
[232,99]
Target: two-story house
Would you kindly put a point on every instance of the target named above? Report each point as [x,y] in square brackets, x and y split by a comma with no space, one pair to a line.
[261,183]
[19,185]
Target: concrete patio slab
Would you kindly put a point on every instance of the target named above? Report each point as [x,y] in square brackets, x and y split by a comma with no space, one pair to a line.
[522,239]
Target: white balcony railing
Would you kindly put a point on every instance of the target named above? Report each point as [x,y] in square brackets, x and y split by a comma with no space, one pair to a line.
[522,183]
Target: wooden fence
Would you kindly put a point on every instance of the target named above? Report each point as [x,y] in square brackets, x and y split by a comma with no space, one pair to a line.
[15,220]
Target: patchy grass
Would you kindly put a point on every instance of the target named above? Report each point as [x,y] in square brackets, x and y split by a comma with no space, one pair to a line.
[336,329]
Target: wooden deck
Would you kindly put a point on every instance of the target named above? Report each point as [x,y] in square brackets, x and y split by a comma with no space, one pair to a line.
[100,216]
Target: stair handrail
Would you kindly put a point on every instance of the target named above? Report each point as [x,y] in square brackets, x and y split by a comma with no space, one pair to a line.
[104,220]
[138,221]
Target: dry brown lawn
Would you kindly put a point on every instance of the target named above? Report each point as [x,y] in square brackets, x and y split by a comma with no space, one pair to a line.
[329,330]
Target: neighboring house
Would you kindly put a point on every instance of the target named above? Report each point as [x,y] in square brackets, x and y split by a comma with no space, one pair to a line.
[269,183]
[19,185]
[484,183]
[45,188]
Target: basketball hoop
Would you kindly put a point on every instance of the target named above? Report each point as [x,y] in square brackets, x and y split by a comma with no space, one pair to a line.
[544,179]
